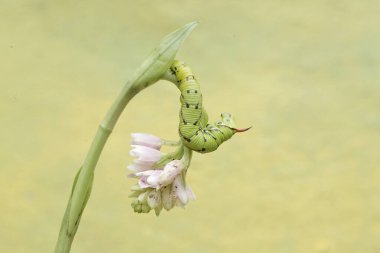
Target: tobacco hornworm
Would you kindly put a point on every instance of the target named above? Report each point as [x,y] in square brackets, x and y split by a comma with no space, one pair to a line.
[194,130]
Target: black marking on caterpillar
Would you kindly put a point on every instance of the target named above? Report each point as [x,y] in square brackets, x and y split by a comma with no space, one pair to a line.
[210,134]
[184,137]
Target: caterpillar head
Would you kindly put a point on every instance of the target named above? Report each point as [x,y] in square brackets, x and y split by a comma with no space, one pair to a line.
[227,120]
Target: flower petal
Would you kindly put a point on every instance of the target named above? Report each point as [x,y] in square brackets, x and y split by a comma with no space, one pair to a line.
[142,197]
[143,183]
[146,140]
[153,180]
[179,190]
[190,193]
[148,178]
[138,167]
[166,197]
[132,175]
[154,198]
[171,170]
[145,154]
[158,209]
[148,173]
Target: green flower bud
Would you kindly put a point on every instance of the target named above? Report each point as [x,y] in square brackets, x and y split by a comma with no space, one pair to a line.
[145,208]
[142,197]
[136,191]
[136,206]
[158,209]
[159,61]
[134,194]
[140,204]
[136,187]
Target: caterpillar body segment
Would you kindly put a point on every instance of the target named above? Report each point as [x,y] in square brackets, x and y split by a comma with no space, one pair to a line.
[194,130]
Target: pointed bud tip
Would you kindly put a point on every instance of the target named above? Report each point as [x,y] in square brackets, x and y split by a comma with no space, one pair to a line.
[192,24]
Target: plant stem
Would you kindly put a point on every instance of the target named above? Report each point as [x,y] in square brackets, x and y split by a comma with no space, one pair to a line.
[150,72]
[83,182]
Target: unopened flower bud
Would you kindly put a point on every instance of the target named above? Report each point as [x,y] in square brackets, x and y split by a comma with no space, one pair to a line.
[147,140]
[170,171]
[166,197]
[158,209]
[154,198]
[179,190]
[145,208]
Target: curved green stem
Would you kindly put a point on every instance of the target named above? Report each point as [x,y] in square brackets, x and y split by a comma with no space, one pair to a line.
[171,143]
[150,72]
[187,155]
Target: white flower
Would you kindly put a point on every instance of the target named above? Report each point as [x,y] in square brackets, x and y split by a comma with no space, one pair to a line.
[145,155]
[159,178]
[181,192]
[147,140]
[176,194]
[145,158]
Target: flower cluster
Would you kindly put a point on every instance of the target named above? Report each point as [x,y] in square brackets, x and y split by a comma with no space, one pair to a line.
[161,177]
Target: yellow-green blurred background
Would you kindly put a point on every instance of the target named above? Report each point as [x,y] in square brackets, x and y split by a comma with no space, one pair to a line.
[305,74]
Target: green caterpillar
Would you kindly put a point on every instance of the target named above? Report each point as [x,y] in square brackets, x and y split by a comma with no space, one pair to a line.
[194,130]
